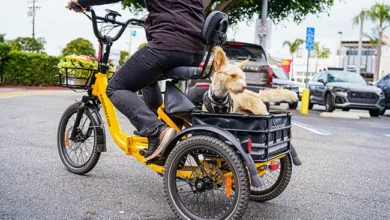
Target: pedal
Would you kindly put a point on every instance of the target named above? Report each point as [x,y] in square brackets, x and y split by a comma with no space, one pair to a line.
[142,152]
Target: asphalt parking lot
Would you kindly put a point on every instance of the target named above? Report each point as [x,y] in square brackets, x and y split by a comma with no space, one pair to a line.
[344,173]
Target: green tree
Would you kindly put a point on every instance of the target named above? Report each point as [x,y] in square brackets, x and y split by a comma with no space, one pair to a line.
[293,47]
[2,38]
[27,44]
[359,19]
[378,13]
[79,46]
[321,53]
[123,57]
[141,46]
[374,37]
[241,10]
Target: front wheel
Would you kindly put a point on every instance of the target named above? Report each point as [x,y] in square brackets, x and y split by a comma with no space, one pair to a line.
[78,154]
[204,178]
[375,113]
[276,178]
[329,103]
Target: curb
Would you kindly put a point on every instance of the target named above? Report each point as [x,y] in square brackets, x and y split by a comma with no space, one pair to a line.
[340,115]
[34,87]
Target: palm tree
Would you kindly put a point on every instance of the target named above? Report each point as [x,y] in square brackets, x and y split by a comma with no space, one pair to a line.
[293,47]
[373,39]
[359,19]
[321,53]
[378,13]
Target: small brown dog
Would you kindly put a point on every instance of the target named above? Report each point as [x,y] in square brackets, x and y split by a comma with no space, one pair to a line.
[228,93]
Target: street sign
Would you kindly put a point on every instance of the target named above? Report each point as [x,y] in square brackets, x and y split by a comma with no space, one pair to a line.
[310,33]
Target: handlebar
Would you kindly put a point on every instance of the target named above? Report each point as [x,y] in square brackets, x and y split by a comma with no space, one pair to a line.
[109,18]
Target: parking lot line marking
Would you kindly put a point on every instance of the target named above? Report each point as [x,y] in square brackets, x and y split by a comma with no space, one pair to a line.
[387,135]
[312,128]
[24,93]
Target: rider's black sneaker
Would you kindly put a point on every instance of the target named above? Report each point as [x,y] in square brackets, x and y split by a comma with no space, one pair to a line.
[158,141]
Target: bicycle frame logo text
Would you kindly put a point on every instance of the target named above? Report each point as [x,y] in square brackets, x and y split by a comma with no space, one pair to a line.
[105,110]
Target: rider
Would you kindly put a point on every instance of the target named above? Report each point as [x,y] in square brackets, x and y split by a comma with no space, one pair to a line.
[173,30]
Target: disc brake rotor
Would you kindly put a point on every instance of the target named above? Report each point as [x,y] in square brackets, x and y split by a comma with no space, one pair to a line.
[213,178]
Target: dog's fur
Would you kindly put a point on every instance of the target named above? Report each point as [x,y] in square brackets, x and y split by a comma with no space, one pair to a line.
[229,79]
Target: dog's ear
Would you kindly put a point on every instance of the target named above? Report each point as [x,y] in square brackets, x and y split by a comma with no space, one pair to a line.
[220,59]
[243,64]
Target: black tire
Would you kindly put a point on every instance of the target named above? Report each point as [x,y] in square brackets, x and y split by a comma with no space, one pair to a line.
[293,105]
[311,105]
[345,109]
[94,155]
[202,144]
[329,107]
[278,187]
[375,113]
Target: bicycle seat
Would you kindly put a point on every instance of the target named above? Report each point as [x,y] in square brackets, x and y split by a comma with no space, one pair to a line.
[183,72]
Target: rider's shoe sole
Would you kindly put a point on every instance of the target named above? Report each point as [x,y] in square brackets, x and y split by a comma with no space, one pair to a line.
[168,136]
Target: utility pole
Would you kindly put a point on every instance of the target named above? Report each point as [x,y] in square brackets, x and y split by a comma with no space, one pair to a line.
[264,11]
[340,57]
[31,13]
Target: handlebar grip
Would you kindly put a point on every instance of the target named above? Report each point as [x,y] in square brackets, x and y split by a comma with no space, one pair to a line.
[73,6]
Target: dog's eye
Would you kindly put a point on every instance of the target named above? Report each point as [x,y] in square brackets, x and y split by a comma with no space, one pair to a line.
[235,75]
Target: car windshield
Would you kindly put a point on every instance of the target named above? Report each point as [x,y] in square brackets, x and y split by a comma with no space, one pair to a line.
[243,53]
[280,73]
[346,77]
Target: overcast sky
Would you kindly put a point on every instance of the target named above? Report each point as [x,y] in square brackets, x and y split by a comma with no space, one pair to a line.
[59,25]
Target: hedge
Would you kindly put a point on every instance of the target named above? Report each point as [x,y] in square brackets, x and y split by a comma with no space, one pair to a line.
[29,69]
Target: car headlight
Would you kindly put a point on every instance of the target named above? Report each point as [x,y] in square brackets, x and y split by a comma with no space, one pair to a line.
[340,89]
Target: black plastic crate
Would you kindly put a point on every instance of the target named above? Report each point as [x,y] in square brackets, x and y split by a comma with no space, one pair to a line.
[270,135]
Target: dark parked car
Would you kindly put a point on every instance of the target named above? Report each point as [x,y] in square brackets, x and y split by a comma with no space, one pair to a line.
[258,74]
[345,90]
[281,79]
[384,84]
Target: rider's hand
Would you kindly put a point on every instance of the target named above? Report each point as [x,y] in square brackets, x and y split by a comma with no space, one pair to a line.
[81,9]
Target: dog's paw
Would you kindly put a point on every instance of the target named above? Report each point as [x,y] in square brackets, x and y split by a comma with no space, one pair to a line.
[290,96]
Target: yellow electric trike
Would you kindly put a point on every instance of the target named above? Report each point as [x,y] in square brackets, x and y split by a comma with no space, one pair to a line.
[214,165]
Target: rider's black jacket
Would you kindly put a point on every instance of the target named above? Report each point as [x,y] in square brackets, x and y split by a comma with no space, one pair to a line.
[171,24]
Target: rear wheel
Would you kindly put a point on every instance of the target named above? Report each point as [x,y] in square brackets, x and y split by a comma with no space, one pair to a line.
[275,180]
[293,105]
[346,109]
[79,155]
[204,178]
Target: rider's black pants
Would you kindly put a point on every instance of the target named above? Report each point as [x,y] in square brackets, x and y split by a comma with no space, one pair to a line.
[141,71]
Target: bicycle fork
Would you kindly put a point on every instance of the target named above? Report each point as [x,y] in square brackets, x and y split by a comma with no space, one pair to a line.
[80,112]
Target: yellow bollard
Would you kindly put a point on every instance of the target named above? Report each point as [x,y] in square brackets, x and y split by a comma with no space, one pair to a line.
[305,101]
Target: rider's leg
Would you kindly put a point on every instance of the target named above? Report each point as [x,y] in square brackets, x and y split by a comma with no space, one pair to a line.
[152,96]
[140,71]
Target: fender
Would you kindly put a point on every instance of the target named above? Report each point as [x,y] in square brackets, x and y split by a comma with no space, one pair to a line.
[254,177]
[100,131]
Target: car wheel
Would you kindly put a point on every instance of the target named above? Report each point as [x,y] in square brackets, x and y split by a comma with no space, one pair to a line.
[311,105]
[293,105]
[375,113]
[329,103]
[345,109]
